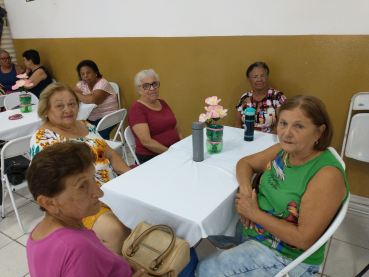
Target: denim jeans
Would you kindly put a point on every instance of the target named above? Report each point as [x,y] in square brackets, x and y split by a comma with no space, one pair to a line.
[248,258]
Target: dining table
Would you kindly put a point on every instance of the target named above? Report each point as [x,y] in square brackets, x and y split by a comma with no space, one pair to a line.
[195,199]
[30,122]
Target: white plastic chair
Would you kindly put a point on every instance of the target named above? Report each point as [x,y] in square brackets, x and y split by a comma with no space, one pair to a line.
[110,120]
[2,98]
[116,88]
[12,100]
[336,222]
[15,147]
[355,141]
[130,139]
[53,80]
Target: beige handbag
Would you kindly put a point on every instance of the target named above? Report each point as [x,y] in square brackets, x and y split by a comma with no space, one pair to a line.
[158,252]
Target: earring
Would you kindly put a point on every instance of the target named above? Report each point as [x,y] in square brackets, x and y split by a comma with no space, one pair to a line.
[96,75]
[45,115]
[316,142]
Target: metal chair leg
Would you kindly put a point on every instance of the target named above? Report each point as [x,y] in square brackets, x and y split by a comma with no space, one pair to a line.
[363,271]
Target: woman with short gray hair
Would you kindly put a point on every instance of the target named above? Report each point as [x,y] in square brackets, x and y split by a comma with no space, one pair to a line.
[152,122]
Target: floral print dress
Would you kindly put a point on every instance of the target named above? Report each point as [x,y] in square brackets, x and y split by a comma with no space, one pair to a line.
[104,171]
[265,116]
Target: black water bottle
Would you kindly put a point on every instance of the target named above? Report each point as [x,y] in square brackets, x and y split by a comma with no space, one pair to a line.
[249,124]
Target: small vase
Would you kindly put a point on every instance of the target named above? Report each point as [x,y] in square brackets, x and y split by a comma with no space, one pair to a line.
[25,103]
[214,142]
[25,99]
[25,108]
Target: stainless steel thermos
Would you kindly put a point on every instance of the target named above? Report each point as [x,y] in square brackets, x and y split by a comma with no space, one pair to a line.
[198,141]
[249,124]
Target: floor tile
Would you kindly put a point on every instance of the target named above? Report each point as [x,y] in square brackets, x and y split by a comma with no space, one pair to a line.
[345,259]
[357,223]
[27,275]
[13,260]
[30,215]
[4,240]
[131,160]
[23,239]
[8,203]
[24,192]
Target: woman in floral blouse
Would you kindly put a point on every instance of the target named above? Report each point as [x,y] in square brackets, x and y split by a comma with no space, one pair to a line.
[58,109]
[265,100]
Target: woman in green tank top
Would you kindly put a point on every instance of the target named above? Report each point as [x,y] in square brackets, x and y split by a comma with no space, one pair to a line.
[301,190]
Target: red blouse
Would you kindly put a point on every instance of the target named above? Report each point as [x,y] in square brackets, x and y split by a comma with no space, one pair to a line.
[161,125]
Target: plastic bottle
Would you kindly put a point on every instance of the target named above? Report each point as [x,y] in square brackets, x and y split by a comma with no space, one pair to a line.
[249,124]
[198,141]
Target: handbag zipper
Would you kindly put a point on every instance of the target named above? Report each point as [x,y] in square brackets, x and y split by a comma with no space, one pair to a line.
[150,248]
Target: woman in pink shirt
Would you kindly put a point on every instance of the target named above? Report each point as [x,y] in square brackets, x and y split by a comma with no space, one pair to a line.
[93,89]
[151,120]
[65,188]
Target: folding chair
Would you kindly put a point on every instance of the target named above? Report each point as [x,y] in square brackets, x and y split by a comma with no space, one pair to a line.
[2,98]
[336,222]
[111,120]
[116,88]
[355,141]
[15,147]
[12,100]
[130,139]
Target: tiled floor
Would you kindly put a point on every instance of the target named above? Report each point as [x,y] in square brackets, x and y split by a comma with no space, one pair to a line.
[347,253]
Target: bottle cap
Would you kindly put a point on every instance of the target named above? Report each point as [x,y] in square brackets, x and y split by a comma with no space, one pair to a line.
[197,125]
[250,111]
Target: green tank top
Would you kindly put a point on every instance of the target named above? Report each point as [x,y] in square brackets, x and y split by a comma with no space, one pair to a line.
[281,189]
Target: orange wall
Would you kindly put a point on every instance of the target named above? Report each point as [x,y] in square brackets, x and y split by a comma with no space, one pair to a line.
[333,68]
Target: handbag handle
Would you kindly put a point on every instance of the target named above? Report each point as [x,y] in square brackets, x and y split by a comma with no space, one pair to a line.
[132,249]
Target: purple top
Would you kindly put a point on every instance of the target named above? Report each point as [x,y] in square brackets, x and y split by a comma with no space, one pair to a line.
[73,253]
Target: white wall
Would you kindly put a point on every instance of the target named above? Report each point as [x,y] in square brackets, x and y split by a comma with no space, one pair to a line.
[182,18]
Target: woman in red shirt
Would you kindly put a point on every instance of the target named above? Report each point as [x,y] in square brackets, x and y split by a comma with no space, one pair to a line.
[152,122]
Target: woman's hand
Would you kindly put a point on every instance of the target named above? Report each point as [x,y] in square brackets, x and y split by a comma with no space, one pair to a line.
[247,207]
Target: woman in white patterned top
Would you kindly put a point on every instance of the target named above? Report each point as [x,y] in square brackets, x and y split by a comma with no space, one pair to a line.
[58,109]
[93,89]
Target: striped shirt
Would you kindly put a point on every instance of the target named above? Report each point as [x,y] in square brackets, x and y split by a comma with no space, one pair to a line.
[108,106]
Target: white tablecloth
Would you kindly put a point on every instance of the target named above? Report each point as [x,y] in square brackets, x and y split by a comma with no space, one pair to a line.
[196,199]
[12,129]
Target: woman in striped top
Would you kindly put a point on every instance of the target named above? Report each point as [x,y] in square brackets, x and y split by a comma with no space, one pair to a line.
[93,89]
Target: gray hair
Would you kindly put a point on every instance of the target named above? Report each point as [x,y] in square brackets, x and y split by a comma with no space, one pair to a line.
[2,51]
[143,74]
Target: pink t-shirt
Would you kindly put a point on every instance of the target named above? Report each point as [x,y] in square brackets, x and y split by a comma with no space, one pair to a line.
[108,106]
[73,253]
[161,125]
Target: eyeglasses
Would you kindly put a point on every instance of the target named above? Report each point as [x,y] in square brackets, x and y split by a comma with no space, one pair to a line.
[6,59]
[147,86]
[263,77]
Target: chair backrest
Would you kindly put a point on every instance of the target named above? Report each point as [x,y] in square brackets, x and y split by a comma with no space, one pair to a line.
[116,88]
[2,98]
[15,147]
[53,80]
[336,222]
[353,144]
[334,152]
[130,139]
[112,119]
[12,100]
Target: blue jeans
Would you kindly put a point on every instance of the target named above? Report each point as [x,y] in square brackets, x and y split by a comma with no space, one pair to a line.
[248,258]
[189,270]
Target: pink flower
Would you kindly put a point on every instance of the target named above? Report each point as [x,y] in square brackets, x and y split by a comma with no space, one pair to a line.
[218,110]
[214,114]
[212,100]
[28,83]
[20,83]
[22,76]
[15,87]
[204,117]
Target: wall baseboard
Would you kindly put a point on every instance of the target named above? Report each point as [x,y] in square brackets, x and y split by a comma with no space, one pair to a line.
[359,204]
